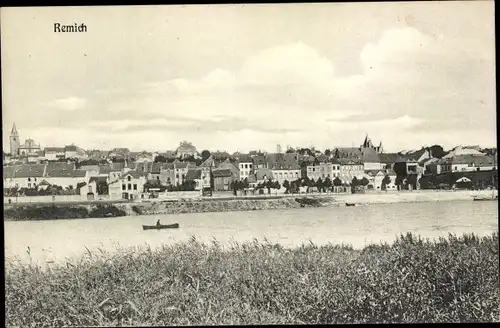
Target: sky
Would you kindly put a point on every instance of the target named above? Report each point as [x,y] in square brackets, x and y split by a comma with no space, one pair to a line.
[244,77]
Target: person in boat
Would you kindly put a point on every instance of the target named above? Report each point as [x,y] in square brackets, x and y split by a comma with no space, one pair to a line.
[158,223]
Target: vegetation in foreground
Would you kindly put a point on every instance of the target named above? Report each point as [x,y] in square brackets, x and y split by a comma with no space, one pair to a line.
[454,279]
[53,212]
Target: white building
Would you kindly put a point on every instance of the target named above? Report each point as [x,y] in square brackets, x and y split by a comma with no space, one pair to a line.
[132,185]
[323,170]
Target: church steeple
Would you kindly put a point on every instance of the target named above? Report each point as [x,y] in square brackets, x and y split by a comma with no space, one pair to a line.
[14,141]
[14,130]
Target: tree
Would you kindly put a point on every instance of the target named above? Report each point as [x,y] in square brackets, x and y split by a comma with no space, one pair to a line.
[399,181]
[311,183]
[327,183]
[160,159]
[412,180]
[386,181]
[319,184]
[276,185]
[245,184]
[337,182]
[328,152]
[437,151]
[290,151]
[286,184]
[204,155]
[364,182]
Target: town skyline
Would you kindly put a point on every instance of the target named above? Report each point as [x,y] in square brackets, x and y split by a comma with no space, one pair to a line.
[240,78]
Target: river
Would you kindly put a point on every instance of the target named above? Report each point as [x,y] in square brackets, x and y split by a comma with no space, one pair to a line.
[56,240]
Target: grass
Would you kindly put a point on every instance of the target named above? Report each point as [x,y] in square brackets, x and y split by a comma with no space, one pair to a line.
[52,212]
[454,279]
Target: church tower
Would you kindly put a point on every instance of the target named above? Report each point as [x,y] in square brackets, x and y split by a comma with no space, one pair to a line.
[14,141]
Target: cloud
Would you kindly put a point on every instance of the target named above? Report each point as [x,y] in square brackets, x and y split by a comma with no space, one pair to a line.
[68,104]
[408,83]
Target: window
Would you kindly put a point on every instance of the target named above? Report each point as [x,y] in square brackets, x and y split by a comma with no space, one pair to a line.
[129,178]
[158,178]
[29,179]
[29,185]
[129,186]
[135,186]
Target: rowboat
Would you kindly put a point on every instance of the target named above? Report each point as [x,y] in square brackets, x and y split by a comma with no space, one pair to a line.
[350,204]
[485,199]
[161,226]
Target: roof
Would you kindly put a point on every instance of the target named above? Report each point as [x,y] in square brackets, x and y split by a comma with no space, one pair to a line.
[54,149]
[89,167]
[259,159]
[145,167]
[62,173]
[44,183]
[473,159]
[346,161]
[261,173]
[135,174]
[369,155]
[221,173]
[60,166]
[347,152]
[193,174]
[8,172]
[389,158]
[286,161]
[244,158]
[29,170]
[70,148]
[98,179]
[322,158]
[182,165]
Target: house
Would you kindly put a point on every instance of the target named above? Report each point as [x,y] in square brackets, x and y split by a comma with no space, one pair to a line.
[371,159]
[95,186]
[43,185]
[27,175]
[227,164]
[388,160]
[379,177]
[201,176]
[245,165]
[132,184]
[73,151]
[323,170]
[259,162]
[464,150]
[469,163]
[66,178]
[8,177]
[92,169]
[186,149]
[222,179]
[282,173]
[263,175]
[54,153]
[349,169]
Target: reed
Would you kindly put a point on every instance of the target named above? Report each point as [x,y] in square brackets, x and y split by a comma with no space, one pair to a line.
[454,279]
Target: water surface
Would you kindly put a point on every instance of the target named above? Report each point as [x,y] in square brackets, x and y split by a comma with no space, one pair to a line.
[59,239]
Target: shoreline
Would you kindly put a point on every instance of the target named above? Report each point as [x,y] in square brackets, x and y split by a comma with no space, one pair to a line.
[41,211]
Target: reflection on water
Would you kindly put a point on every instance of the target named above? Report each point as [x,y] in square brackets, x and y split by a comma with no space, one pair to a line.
[59,239]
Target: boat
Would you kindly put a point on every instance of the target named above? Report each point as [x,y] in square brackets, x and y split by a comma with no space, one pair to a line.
[350,204]
[161,226]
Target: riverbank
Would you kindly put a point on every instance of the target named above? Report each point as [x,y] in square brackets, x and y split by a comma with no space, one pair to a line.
[413,280]
[159,207]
